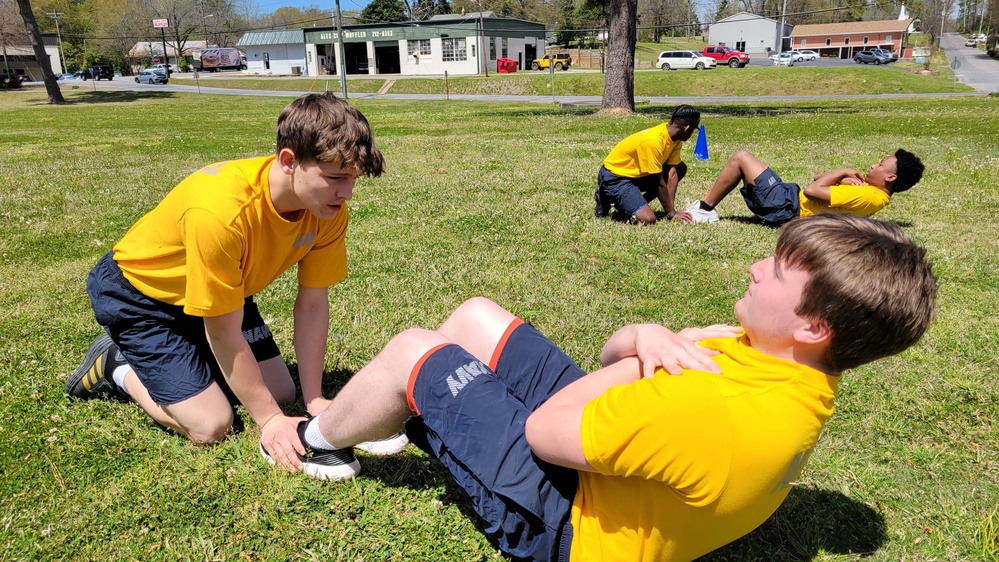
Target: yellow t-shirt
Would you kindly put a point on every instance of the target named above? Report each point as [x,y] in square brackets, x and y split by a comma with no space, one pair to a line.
[643,153]
[863,200]
[216,239]
[689,463]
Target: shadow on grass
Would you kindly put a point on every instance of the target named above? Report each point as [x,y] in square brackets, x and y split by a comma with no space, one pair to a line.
[809,522]
[82,96]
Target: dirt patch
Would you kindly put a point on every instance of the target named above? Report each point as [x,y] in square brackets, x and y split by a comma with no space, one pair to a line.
[615,112]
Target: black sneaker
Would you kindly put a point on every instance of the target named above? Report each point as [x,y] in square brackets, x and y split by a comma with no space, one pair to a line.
[93,376]
[601,208]
[324,464]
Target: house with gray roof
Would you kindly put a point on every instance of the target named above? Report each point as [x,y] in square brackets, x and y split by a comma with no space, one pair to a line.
[275,52]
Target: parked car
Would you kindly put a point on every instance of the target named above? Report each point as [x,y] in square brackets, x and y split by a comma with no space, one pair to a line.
[971,43]
[891,56]
[787,58]
[867,57]
[561,61]
[97,72]
[724,55]
[671,60]
[152,77]
[809,55]
[10,80]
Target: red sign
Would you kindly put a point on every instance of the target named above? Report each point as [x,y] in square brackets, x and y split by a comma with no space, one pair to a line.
[160,23]
[156,59]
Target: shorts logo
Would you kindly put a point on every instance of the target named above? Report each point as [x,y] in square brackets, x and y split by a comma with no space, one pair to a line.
[464,375]
[254,335]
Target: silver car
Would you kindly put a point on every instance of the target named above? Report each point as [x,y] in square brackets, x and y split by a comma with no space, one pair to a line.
[151,77]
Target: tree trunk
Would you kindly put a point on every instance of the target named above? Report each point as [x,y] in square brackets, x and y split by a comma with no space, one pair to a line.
[51,85]
[619,82]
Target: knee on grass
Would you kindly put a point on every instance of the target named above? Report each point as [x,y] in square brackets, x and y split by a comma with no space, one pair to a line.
[211,429]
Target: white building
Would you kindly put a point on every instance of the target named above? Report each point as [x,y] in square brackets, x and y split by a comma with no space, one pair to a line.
[275,52]
[21,59]
[749,33]
[454,43]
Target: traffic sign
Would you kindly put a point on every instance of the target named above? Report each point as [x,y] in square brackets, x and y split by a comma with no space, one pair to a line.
[160,23]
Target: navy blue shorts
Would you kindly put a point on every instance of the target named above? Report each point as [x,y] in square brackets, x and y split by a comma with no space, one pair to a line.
[772,200]
[471,417]
[167,349]
[628,194]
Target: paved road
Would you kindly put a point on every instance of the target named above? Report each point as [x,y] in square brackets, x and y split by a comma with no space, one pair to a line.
[974,67]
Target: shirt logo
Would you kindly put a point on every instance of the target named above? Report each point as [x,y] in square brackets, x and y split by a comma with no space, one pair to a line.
[306,239]
[464,375]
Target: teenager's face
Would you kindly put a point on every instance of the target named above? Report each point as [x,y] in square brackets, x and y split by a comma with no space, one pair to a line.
[766,311]
[882,172]
[324,187]
[685,136]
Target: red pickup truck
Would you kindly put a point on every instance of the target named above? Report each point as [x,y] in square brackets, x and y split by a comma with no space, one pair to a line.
[724,55]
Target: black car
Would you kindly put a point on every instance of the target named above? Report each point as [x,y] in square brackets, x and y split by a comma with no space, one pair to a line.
[10,79]
[97,72]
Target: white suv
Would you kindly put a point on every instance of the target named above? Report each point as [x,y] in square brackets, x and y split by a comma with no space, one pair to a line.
[670,60]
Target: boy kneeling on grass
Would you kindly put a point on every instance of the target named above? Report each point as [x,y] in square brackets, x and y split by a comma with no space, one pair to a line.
[629,463]
[184,338]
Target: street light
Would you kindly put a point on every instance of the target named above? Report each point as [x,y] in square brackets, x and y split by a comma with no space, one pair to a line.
[204,29]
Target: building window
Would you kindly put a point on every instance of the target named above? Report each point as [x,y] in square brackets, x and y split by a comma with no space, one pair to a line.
[887,38]
[418,47]
[804,42]
[828,42]
[865,40]
[506,48]
[846,41]
[740,46]
[454,49]
[492,49]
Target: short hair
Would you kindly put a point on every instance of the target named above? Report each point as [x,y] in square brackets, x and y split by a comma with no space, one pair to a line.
[685,115]
[908,170]
[871,284]
[324,128]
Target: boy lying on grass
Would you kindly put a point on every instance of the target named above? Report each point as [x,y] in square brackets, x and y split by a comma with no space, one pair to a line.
[630,462]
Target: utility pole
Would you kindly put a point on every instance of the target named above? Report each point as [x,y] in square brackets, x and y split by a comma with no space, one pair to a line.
[62,52]
[340,51]
[483,55]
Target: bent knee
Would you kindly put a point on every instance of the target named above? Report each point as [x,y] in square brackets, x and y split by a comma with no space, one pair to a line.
[211,429]
[476,307]
[743,155]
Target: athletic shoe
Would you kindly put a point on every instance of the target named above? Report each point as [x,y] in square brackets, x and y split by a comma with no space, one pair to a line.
[324,464]
[700,215]
[601,208]
[93,376]
[387,446]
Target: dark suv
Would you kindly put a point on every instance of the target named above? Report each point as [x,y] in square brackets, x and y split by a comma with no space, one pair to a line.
[10,79]
[869,57]
[98,72]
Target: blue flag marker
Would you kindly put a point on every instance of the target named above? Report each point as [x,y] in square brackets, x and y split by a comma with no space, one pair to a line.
[701,148]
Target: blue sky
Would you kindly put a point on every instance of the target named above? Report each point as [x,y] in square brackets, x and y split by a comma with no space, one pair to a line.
[268,6]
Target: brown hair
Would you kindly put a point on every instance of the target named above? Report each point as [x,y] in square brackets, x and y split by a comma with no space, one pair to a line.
[324,128]
[867,280]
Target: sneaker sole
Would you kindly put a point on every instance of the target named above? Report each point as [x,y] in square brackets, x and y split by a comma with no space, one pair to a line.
[388,446]
[97,347]
[322,471]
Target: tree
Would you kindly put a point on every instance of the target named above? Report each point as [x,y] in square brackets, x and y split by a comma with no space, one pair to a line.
[51,86]
[619,81]
[384,11]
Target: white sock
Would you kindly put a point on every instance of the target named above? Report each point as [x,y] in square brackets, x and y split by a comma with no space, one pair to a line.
[119,376]
[314,438]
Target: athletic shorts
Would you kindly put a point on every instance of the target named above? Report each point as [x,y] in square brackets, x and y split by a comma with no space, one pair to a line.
[772,200]
[167,349]
[471,417]
[628,194]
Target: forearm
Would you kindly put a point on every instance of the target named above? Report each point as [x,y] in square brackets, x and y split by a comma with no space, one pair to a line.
[241,372]
[554,430]
[621,344]
[312,321]
[667,192]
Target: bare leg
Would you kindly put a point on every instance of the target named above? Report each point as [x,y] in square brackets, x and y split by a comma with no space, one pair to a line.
[372,405]
[477,325]
[743,166]
[204,418]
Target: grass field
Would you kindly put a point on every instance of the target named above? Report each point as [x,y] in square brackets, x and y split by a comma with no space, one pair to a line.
[482,199]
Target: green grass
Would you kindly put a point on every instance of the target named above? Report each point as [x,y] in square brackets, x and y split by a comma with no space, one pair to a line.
[491,199]
[799,80]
